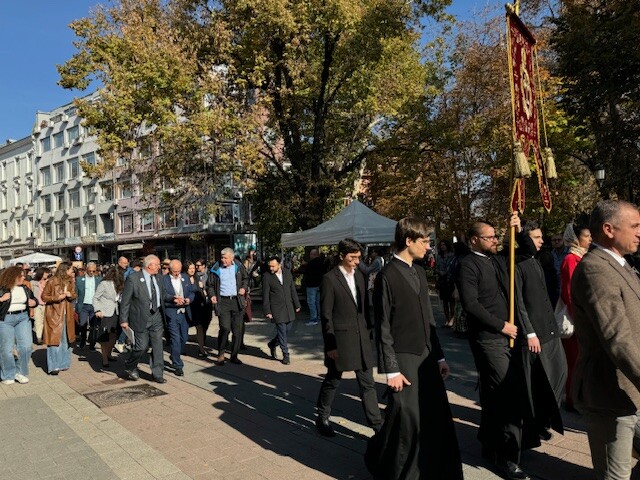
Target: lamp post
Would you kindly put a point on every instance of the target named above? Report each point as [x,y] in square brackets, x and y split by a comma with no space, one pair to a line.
[599,174]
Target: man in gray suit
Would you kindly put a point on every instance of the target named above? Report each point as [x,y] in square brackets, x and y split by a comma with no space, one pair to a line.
[605,292]
[140,312]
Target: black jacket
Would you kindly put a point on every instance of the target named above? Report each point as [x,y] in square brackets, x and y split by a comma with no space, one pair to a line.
[280,299]
[4,306]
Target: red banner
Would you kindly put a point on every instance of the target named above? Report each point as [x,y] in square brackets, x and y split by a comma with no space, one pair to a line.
[524,98]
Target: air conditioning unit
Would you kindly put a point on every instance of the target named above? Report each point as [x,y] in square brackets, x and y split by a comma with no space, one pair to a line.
[51,123]
[93,189]
[66,144]
[111,215]
[78,140]
[237,194]
[92,207]
[39,187]
[65,118]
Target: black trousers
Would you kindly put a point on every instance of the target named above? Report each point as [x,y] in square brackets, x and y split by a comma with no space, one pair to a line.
[367,394]
[151,335]
[230,317]
[503,396]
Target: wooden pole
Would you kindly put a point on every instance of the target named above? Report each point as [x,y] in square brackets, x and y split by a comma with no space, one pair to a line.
[512,278]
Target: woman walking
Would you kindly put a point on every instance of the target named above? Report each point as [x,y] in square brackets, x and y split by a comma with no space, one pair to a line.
[37,286]
[59,332]
[15,327]
[200,308]
[105,305]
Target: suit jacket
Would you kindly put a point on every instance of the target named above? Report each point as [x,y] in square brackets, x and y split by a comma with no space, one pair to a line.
[105,299]
[606,312]
[345,325]
[170,308]
[136,302]
[80,283]
[280,299]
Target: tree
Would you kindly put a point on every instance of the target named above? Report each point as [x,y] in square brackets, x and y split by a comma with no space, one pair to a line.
[305,89]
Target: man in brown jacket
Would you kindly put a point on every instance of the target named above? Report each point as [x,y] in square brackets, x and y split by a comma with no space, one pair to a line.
[605,292]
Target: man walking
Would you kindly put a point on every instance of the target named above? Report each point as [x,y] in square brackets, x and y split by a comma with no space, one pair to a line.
[228,282]
[140,311]
[178,296]
[418,438]
[85,287]
[347,336]
[605,294]
[312,278]
[280,304]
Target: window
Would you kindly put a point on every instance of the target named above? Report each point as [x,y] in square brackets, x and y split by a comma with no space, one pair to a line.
[16,197]
[107,223]
[30,227]
[58,172]
[166,219]
[147,221]
[45,144]
[58,139]
[124,190]
[90,158]
[107,192]
[126,222]
[90,194]
[73,133]
[122,162]
[91,226]
[3,171]
[45,176]
[17,168]
[60,201]
[192,217]
[17,229]
[74,168]
[46,203]
[5,230]
[46,232]
[3,200]
[71,111]
[74,198]
[61,232]
[74,227]
[226,215]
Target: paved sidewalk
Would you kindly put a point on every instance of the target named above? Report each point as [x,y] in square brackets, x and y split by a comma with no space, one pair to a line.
[251,421]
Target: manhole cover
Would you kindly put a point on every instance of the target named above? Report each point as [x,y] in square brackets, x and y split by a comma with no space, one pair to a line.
[109,398]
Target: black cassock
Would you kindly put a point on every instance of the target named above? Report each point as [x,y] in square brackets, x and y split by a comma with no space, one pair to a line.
[418,439]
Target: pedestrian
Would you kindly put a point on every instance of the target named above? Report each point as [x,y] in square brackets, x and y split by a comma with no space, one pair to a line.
[201,309]
[85,289]
[370,272]
[228,283]
[445,280]
[141,312]
[311,279]
[605,293]
[15,327]
[346,331]
[418,438]
[178,295]
[37,286]
[484,292]
[280,304]
[543,357]
[59,295]
[106,305]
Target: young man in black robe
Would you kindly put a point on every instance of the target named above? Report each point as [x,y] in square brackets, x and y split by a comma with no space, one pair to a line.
[418,438]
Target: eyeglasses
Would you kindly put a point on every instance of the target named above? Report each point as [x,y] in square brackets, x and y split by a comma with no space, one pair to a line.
[165,267]
[198,264]
[490,237]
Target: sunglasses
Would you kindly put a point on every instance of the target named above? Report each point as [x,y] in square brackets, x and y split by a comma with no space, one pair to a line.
[198,264]
[165,267]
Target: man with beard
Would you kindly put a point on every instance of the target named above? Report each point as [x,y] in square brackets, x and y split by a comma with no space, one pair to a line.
[483,284]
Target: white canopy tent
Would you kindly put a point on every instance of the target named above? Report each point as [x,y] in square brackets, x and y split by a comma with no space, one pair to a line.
[35,258]
[354,221]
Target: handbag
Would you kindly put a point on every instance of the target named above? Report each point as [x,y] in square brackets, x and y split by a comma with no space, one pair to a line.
[563,319]
[97,333]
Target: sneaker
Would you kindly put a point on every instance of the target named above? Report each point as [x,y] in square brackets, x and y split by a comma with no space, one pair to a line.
[119,347]
[311,322]
[8,382]
[21,378]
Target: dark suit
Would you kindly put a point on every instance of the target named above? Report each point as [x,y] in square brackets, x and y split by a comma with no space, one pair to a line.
[483,287]
[145,320]
[177,317]
[345,328]
[86,315]
[606,387]
[281,301]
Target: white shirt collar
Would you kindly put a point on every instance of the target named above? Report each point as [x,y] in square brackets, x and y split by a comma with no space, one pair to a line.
[479,254]
[618,258]
[395,255]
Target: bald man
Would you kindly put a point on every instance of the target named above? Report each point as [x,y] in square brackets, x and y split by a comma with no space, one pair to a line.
[178,295]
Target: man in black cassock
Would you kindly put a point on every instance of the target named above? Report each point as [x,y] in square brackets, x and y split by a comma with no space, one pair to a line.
[483,284]
[418,439]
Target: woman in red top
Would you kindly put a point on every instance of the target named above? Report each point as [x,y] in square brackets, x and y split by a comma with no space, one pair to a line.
[579,238]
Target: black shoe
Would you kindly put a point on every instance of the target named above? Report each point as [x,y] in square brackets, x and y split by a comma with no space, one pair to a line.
[286,360]
[179,372]
[202,355]
[545,434]
[54,372]
[324,427]
[160,380]
[243,347]
[512,470]
[272,350]
[236,360]
[131,375]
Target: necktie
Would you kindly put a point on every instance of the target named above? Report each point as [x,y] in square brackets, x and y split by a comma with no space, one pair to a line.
[154,295]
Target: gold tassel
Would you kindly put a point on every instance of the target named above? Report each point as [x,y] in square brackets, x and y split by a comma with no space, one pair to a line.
[549,163]
[522,169]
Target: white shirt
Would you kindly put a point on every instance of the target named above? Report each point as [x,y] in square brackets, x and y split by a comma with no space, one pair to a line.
[177,288]
[618,258]
[350,277]
[18,299]
[279,275]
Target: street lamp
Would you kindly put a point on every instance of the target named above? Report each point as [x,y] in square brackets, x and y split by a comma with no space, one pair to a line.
[599,173]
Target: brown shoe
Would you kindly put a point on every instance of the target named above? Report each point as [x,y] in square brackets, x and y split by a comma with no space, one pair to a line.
[220,360]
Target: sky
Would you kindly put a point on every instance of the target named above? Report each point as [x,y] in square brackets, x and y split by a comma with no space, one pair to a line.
[35,37]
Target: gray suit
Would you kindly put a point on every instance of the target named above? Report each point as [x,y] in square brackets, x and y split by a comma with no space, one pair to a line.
[145,321]
[606,386]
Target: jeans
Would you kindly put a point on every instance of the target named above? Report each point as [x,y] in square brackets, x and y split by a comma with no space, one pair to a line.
[15,330]
[611,442]
[282,330]
[178,336]
[59,356]
[313,300]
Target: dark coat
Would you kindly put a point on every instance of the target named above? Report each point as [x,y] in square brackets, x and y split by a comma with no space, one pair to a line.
[170,308]
[242,281]
[80,283]
[280,299]
[135,303]
[344,322]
